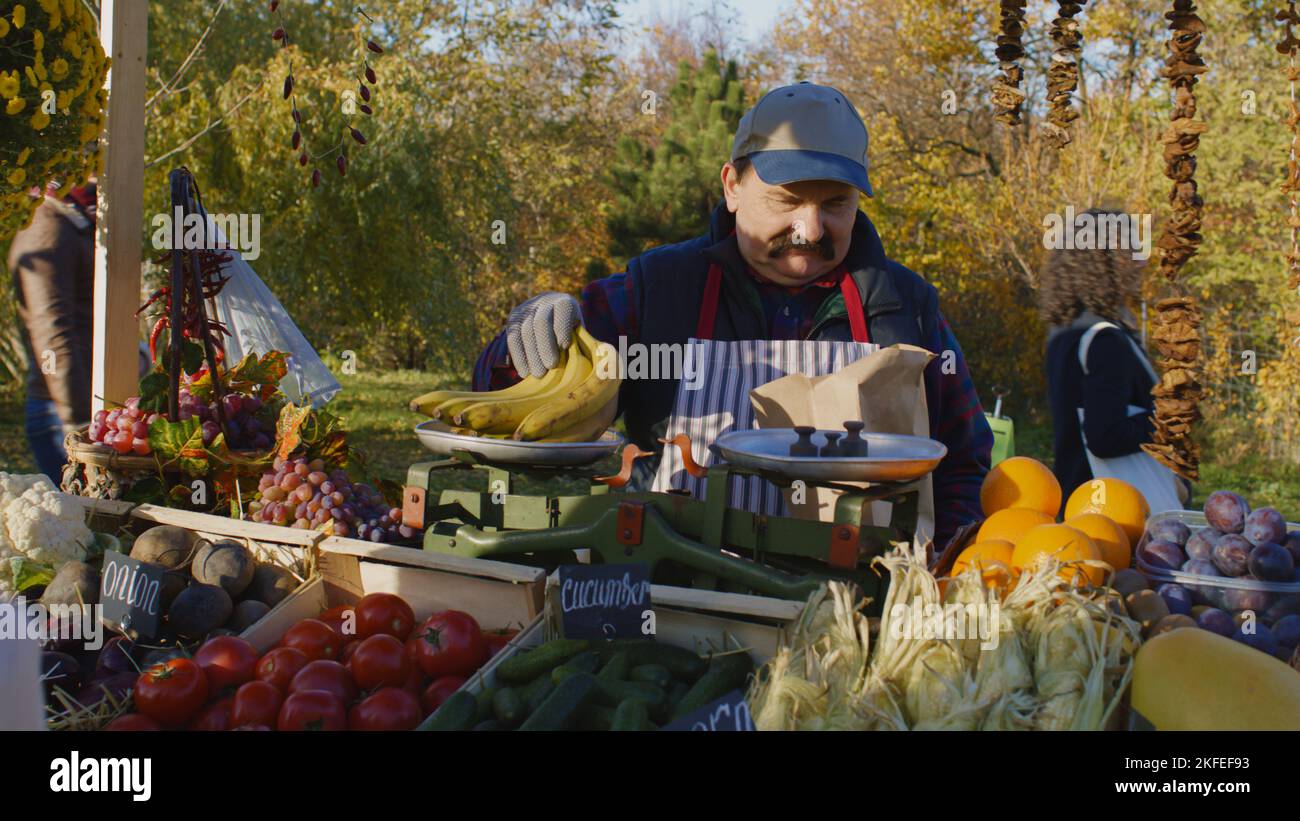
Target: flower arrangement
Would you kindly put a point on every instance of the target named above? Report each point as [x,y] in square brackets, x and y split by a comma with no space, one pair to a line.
[52,102]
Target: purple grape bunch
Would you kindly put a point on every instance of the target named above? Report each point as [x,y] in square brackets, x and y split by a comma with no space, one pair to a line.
[244,430]
[300,493]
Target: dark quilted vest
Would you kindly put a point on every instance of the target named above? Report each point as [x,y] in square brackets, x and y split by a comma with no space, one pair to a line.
[900,307]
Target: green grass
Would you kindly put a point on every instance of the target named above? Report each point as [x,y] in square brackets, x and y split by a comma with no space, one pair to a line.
[373,406]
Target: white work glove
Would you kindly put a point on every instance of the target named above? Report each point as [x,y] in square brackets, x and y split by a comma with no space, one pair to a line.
[539,329]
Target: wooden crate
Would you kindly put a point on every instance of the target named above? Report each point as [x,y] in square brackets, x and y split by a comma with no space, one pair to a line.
[499,596]
[698,620]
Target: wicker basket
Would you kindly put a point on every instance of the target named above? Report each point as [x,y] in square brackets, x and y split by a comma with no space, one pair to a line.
[99,472]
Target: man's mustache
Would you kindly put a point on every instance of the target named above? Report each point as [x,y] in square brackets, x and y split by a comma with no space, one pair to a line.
[783,245]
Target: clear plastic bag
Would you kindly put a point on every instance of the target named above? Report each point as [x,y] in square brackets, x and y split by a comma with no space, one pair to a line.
[259,323]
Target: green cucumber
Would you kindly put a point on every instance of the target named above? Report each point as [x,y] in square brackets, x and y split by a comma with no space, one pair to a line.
[524,667]
[484,699]
[595,718]
[585,662]
[726,673]
[656,674]
[508,706]
[537,692]
[616,668]
[682,663]
[614,693]
[631,715]
[677,693]
[490,724]
[560,710]
[460,712]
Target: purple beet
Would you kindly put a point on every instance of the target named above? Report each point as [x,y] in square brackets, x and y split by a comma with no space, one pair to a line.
[1232,554]
[1271,563]
[60,670]
[1200,545]
[1261,638]
[1226,511]
[115,657]
[1287,631]
[1217,621]
[1177,598]
[1238,600]
[1265,525]
[1169,530]
[118,684]
[1163,555]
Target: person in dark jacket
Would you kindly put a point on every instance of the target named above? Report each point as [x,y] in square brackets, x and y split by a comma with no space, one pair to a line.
[1087,296]
[785,237]
[52,262]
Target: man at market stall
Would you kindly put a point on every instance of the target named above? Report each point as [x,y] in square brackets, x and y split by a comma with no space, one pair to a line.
[788,256]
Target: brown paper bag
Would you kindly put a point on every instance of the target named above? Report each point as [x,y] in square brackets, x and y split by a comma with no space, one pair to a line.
[885,389]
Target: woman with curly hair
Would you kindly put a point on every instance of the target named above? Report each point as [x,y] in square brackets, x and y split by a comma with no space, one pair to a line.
[1099,378]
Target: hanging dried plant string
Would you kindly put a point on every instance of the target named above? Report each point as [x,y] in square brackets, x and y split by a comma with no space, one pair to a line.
[1063,74]
[1007,95]
[298,141]
[1288,46]
[1177,322]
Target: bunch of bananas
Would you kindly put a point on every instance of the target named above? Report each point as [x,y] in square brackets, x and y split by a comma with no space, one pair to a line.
[573,402]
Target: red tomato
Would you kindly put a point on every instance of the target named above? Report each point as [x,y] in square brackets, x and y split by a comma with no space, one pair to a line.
[215,718]
[342,619]
[414,683]
[438,691]
[315,638]
[450,644]
[131,723]
[227,661]
[384,613]
[379,661]
[312,710]
[391,708]
[261,727]
[279,666]
[172,692]
[326,675]
[257,702]
[496,640]
[348,650]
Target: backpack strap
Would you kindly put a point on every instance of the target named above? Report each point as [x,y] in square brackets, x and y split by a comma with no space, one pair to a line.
[1085,342]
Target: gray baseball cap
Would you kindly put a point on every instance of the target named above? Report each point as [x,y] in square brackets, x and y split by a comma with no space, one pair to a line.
[804,132]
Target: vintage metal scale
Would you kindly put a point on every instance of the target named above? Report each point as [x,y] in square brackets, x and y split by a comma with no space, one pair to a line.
[685,541]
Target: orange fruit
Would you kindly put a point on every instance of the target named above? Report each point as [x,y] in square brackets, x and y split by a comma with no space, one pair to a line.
[1115,499]
[1063,543]
[998,575]
[980,553]
[1010,523]
[1109,537]
[1020,482]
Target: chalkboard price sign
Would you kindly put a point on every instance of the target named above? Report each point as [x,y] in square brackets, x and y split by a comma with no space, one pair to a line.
[130,593]
[728,714]
[605,601]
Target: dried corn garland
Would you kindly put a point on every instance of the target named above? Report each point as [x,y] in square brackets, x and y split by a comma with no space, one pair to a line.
[1291,184]
[1007,96]
[1063,75]
[1177,321]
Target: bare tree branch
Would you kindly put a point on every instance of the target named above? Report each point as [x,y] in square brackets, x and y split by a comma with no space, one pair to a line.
[211,125]
[167,88]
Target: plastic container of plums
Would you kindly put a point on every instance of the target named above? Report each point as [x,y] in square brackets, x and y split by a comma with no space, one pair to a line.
[1202,561]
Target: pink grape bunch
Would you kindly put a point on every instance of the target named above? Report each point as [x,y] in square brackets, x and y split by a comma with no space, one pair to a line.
[126,429]
[299,493]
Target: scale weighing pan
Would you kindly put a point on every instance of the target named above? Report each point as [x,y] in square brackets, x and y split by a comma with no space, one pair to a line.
[438,438]
[892,457]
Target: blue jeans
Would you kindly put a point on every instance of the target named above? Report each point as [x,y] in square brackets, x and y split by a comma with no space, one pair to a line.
[45,438]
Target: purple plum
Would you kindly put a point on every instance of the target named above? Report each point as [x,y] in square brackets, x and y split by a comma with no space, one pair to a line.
[1292,544]
[1265,525]
[1226,511]
[1287,631]
[1232,554]
[1240,600]
[1260,637]
[1217,621]
[1286,605]
[1169,530]
[1201,567]
[1271,563]
[1177,598]
[1163,555]
[1200,545]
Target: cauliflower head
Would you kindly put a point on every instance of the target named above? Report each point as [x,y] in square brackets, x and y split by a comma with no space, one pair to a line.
[45,525]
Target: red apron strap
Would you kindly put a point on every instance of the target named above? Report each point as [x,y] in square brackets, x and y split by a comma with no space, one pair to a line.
[709,308]
[853,304]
